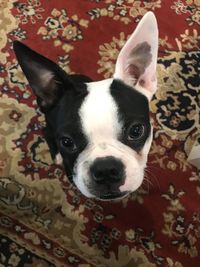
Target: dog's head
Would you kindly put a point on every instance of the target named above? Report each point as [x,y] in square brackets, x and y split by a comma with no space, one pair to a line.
[101,129]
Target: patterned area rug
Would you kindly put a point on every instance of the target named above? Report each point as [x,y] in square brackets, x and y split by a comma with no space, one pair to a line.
[44,221]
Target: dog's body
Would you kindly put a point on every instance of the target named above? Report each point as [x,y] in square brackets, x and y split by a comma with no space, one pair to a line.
[100,131]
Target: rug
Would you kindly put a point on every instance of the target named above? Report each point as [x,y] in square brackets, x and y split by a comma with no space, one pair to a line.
[44,221]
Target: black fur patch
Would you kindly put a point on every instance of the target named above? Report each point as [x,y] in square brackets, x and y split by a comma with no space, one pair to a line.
[59,97]
[63,120]
[133,107]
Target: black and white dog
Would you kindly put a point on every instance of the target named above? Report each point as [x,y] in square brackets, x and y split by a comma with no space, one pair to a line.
[100,131]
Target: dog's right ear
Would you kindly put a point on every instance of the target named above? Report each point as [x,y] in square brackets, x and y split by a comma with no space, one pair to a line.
[44,76]
[137,61]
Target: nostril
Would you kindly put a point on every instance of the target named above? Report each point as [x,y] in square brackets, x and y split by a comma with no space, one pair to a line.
[98,176]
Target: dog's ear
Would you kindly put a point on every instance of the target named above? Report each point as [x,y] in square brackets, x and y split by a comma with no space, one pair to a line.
[136,63]
[44,76]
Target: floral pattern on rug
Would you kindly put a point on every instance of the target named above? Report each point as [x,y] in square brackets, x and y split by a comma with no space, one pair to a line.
[44,220]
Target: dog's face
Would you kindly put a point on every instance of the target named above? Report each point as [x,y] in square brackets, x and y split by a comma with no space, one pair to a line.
[99,130]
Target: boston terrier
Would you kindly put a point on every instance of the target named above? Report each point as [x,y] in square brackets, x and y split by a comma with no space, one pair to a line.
[100,131]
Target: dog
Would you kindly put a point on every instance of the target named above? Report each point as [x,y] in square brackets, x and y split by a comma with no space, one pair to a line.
[100,131]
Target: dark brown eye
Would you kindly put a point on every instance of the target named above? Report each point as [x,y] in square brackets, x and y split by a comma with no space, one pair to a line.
[135,132]
[68,143]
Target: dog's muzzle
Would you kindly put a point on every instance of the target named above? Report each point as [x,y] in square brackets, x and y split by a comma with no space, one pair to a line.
[108,174]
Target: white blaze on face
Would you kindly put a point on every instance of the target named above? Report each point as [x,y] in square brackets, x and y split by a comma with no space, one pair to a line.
[99,113]
[101,125]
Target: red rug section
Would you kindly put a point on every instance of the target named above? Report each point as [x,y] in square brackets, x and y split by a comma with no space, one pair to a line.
[163,219]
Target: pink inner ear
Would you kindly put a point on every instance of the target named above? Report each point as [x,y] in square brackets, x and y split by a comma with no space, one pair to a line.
[136,63]
[142,82]
[134,73]
[148,81]
[139,59]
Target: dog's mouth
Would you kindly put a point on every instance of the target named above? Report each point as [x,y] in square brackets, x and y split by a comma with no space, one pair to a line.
[112,196]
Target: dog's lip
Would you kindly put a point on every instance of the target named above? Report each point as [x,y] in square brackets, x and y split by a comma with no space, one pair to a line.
[112,195]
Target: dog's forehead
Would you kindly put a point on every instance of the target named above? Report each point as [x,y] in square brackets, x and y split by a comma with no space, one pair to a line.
[107,103]
[98,112]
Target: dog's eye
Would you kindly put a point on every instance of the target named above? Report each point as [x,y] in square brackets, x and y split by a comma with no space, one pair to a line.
[135,132]
[68,143]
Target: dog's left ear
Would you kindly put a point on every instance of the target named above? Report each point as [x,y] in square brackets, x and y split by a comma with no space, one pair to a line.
[136,63]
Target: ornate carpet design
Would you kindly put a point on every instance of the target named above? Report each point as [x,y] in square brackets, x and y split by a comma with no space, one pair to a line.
[44,221]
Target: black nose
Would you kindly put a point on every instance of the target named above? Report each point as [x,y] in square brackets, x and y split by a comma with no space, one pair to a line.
[107,170]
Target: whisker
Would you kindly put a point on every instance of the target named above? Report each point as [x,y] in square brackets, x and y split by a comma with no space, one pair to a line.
[146,184]
[152,165]
[150,175]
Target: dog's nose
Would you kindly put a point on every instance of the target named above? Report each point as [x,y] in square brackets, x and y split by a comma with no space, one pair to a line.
[107,170]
